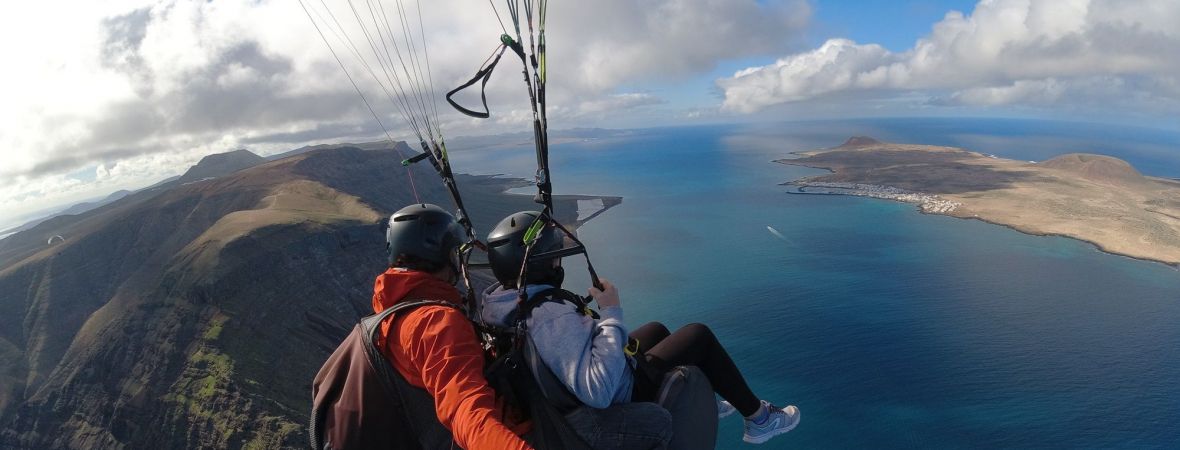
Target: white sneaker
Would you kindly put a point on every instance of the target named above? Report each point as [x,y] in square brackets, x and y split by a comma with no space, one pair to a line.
[780,420]
[724,409]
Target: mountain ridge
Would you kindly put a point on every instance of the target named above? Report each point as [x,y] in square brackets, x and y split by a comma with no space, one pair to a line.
[195,316]
[221,164]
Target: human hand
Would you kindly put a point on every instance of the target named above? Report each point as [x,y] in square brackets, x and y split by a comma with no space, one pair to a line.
[608,296]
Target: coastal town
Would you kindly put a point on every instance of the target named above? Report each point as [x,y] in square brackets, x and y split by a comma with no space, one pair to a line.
[927,203]
[1095,198]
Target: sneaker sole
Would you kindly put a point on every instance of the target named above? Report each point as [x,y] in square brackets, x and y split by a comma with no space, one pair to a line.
[767,437]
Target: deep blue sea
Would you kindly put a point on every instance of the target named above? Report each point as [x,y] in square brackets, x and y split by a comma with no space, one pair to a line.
[887,327]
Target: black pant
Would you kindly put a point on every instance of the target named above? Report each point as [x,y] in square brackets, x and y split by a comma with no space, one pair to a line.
[692,345]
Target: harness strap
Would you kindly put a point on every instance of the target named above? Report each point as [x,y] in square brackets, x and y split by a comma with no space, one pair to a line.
[483,75]
[551,386]
[436,153]
[371,326]
[557,295]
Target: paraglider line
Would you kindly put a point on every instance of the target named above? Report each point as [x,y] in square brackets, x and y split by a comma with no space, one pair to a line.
[497,12]
[409,173]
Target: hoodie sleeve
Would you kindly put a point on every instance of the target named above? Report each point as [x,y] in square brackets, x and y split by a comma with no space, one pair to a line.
[441,344]
[586,354]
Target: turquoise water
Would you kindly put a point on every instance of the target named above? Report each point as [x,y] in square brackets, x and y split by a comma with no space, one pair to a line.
[888,328]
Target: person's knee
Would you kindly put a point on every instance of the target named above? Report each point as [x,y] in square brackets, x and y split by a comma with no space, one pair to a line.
[654,330]
[659,328]
[698,330]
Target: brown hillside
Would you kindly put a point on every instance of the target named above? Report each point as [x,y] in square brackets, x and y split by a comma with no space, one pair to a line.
[216,165]
[1094,198]
[1096,168]
[196,316]
[859,141]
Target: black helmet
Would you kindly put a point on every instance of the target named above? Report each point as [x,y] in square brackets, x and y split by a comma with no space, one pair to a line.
[506,249]
[423,232]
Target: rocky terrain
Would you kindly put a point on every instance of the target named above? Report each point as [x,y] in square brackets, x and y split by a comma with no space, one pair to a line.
[195,314]
[1094,198]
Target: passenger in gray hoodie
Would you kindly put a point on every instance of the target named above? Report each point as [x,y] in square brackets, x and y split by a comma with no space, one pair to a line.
[592,353]
[585,353]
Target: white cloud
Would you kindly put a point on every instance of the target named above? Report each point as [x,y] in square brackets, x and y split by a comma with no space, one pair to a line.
[838,65]
[1007,52]
[618,102]
[1046,91]
[26,197]
[132,85]
[132,78]
[616,41]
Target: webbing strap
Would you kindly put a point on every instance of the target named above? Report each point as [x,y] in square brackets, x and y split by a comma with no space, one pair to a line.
[483,75]
[556,295]
[371,324]
[551,386]
[423,428]
[436,152]
[545,219]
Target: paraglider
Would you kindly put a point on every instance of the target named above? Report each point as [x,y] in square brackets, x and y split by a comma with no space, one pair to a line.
[400,67]
[55,239]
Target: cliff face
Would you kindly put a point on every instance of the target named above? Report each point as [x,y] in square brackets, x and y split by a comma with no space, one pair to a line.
[196,317]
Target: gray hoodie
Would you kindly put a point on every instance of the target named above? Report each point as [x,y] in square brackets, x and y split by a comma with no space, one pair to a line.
[584,353]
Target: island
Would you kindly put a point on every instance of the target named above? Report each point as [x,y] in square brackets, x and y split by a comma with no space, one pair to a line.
[1093,198]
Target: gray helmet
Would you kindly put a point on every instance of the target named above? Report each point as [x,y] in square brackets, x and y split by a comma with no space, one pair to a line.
[425,232]
[506,249]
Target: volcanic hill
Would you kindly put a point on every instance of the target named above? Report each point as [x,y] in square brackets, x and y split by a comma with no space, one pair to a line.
[195,315]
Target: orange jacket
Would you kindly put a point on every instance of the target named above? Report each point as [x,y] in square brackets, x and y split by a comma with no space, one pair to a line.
[435,348]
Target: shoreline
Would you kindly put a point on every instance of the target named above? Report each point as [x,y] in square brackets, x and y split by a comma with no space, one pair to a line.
[1011,227]
[930,203]
[890,193]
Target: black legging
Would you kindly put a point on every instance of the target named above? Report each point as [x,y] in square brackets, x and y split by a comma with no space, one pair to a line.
[694,345]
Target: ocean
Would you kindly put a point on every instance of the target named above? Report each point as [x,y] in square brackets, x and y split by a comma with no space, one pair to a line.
[887,327]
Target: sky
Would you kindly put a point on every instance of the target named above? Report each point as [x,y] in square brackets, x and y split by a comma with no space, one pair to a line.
[119,94]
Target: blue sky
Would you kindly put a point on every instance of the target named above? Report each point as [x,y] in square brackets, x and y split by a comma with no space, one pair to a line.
[120,94]
[896,25]
[1078,93]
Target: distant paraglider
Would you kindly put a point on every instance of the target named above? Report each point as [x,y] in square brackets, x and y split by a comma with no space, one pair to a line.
[56,239]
